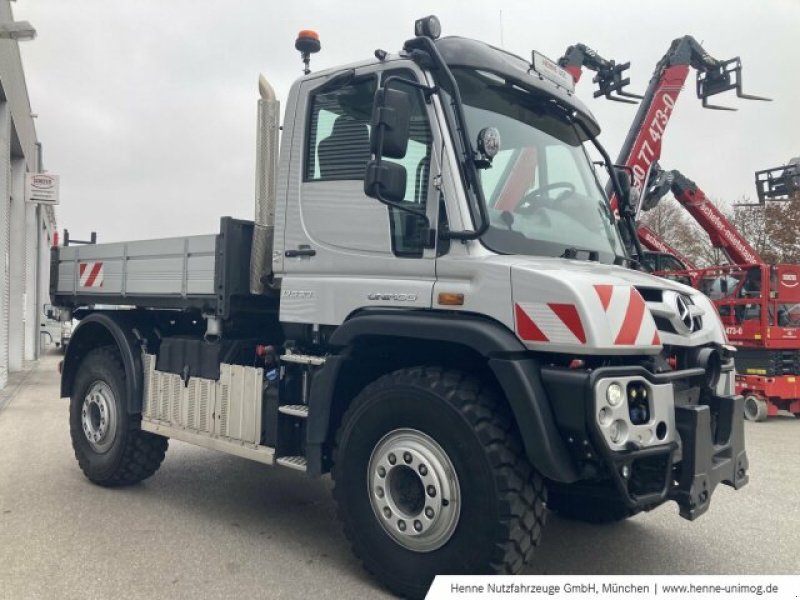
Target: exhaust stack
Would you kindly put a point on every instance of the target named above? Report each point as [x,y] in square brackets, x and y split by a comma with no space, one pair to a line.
[266,191]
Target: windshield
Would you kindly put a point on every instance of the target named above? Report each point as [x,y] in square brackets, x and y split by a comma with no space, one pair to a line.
[542,194]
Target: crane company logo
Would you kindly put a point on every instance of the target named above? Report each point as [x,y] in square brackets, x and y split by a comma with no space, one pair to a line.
[41,188]
[789,280]
[392,297]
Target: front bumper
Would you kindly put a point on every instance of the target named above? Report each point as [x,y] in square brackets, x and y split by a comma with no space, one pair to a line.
[703,446]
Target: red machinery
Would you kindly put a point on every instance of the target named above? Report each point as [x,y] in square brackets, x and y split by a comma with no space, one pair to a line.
[763,320]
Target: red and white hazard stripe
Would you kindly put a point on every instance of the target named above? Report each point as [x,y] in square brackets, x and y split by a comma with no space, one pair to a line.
[628,319]
[91,274]
[549,322]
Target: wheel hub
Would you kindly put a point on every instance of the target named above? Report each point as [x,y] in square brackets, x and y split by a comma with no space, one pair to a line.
[99,417]
[413,490]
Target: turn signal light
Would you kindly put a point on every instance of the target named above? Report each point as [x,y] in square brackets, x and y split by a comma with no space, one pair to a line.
[451,299]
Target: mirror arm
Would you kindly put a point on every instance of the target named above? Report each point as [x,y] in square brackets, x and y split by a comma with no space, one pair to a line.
[626,213]
[471,171]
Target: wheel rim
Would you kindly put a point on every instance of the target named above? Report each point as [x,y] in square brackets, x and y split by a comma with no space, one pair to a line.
[99,417]
[414,490]
[751,408]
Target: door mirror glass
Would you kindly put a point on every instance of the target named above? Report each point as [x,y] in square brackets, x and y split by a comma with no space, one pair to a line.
[391,118]
[385,181]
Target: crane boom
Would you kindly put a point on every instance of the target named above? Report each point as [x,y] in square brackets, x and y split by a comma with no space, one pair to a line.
[642,146]
[652,241]
[721,232]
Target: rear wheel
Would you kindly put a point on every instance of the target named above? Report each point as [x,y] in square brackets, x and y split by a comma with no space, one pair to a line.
[431,478]
[110,447]
[755,408]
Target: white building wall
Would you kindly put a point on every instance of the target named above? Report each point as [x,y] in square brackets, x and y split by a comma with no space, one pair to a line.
[5,242]
[16,314]
[30,314]
[26,230]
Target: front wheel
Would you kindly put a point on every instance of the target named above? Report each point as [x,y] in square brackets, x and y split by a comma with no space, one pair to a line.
[431,478]
[109,444]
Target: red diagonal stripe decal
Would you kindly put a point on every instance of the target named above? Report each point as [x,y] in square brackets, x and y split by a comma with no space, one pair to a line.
[93,275]
[633,320]
[82,268]
[656,340]
[570,317]
[527,328]
[604,291]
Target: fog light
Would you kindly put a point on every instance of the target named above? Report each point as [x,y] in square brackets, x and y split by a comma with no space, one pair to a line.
[614,394]
[618,431]
[625,471]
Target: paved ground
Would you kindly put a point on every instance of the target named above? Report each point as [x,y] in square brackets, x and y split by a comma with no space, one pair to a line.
[211,526]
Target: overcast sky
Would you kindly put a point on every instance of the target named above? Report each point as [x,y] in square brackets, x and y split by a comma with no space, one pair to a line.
[147,109]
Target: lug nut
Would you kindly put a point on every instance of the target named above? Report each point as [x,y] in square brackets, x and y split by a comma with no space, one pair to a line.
[417,526]
[401,525]
[392,459]
[387,512]
[431,491]
[429,512]
[407,457]
[379,491]
[423,470]
[381,472]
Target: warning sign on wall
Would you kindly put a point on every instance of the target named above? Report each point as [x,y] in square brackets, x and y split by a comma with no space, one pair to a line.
[41,188]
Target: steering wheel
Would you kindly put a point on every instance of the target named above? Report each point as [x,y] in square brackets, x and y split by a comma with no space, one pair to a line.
[540,197]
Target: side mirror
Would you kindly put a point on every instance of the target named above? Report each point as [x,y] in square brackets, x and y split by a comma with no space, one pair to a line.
[385,181]
[391,121]
[389,135]
[624,178]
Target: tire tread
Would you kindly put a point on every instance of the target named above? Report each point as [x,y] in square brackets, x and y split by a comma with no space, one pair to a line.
[143,451]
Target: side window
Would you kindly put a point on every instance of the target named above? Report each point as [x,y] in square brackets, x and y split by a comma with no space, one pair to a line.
[408,230]
[338,140]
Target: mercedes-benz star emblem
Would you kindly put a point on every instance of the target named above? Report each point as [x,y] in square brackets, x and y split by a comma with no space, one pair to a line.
[683,313]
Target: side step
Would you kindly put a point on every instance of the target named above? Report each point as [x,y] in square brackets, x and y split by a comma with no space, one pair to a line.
[295,410]
[298,463]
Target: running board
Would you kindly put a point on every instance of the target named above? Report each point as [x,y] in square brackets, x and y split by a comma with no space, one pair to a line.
[298,463]
[295,410]
[262,454]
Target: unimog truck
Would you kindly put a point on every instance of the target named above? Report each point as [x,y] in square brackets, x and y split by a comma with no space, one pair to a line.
[434,304]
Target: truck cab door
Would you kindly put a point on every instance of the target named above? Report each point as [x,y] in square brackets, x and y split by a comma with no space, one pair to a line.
[342,249]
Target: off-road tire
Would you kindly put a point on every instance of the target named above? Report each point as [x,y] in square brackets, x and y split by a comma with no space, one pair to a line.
[135,454]
[755,408]
[597,506]
[502,497]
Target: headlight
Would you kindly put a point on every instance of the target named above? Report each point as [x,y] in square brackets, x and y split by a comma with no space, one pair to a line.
[614,394]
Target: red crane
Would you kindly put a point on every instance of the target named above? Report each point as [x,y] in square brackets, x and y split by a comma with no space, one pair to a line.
[758,303]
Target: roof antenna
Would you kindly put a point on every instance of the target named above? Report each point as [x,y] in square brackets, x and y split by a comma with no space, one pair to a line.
[307,43]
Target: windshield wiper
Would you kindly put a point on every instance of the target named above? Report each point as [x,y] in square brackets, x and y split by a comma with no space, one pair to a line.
[593,255]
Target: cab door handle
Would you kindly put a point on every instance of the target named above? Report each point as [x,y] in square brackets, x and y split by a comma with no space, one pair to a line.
[300,251]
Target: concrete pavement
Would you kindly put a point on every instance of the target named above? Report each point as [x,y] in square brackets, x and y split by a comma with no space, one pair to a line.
[212,526]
